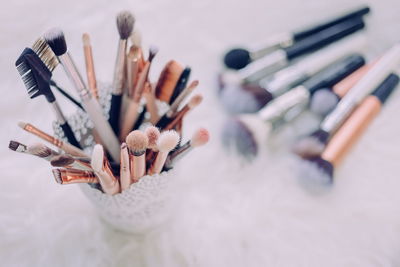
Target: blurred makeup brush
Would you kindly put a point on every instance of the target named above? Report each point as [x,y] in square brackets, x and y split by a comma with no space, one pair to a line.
[167,142]
[271,87]
[177,117]
[318,170]
[132,69]
[36,77]
[199,138]
[102,169]
[151,105]
[72,176]
[90,73]
[152,134]
[125,23]
[56,40]
[131,113]
[67,148]
[136,38]
[281,58]
[250,130]
[168,80]
[239,58]
[181,84]
[125,173]
[381,69]
[181,97]
[137,143]
[38,150]
[67,161]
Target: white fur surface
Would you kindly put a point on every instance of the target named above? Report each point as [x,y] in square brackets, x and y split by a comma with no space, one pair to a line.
[230,213]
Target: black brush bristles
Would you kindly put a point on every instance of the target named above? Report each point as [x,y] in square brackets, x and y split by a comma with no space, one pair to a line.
[237,58]
[311,146]
[17,146]
[316,174]
[125,23]
[45,53]
[56,40]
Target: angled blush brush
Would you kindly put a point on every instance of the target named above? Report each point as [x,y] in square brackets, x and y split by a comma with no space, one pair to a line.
[90,72]
[239,58]
[73,176]
[56,40]
[125,23]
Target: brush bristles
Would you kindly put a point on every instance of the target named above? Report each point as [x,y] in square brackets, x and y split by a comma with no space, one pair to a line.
[312,145]
[39,150]
[152,52]
[137,142]
[28,78]
[136,38]
[56,40]
[152,134]
[200,137]
[195,101]
[86,39]
[125,23]
[57,176]
[17,146]
[316,172]
[22,124]
[323,102]
[97,158]
[45,53]
[168,140]
[61,161]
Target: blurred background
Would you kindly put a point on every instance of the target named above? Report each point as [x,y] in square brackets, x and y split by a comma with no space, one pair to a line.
[230,212]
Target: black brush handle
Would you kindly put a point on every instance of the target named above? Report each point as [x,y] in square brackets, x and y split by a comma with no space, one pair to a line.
[181,84]
[297,36]
[163,121]
[69,134]
[324,38]
[68,96]
[115,111]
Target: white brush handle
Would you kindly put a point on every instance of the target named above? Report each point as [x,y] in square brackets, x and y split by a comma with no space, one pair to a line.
[386,64]
[272,43]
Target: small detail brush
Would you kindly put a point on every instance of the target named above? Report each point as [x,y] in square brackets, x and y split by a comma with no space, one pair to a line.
[137,143]
[38,150]
[167,141]
[72,176]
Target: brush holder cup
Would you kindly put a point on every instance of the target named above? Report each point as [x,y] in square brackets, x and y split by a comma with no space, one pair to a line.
[141,207]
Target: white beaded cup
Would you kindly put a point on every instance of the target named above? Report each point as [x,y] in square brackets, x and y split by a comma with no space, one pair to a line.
[144,205]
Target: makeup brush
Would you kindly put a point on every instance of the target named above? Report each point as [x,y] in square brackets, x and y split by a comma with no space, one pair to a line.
[67,161]
[181,97]
[280,58]
[17,146]
[131,113]
[132,69]
[102,169]
[152,133]
[45,53]
[137,143]
[168,141]
[248,130]
[168,80]
[383,67]
[199,138]
[125,23]
[239,58]
[36,77]
[177,117]
[67,148]
[231,95]
[320,169]
[90,73]
[72,176]
[56,40]
[181,84]
[38,150]
[125,173]
[68,96]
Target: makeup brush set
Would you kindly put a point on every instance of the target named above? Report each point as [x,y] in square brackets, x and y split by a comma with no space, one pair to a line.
[133,128]
[319,70]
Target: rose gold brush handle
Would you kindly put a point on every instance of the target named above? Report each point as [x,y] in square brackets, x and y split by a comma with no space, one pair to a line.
[158,163]
[138,167]
[91,75]
[71,176]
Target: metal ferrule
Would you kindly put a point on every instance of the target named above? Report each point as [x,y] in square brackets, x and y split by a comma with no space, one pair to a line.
[342,111]
[275,42]
[119,70]
[57,110]
[264,66]
[278,108]
[180,153]
[74,76]
[283,80]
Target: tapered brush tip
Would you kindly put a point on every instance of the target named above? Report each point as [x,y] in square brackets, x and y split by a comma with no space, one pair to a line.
[137,142]
[237,58]
[200,137]
[152,52]
[125,23]
[56,40]
[195,101]
[153,133]
[97,158]
[57,175]
[86,39]
[13,145]
[39,150]
[312,145]
[323,102]
[22,124]
[316,174]
[61,161]
[168,140]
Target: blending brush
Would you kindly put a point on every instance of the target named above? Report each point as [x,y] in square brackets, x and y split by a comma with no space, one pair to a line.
[66,147]
[319,169]
[269,88]
[168,80]
[131,113]
[381,69]
[90,73]
[199,138]
[67,161]
[125,23]
[170,123]
[167,141]
[125,172]
[38,150]
[56,40]
[151,105]
[36,77]
[103,171]
[248,130]
[239,58]
[282,57]
[137,142]
[72,176]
